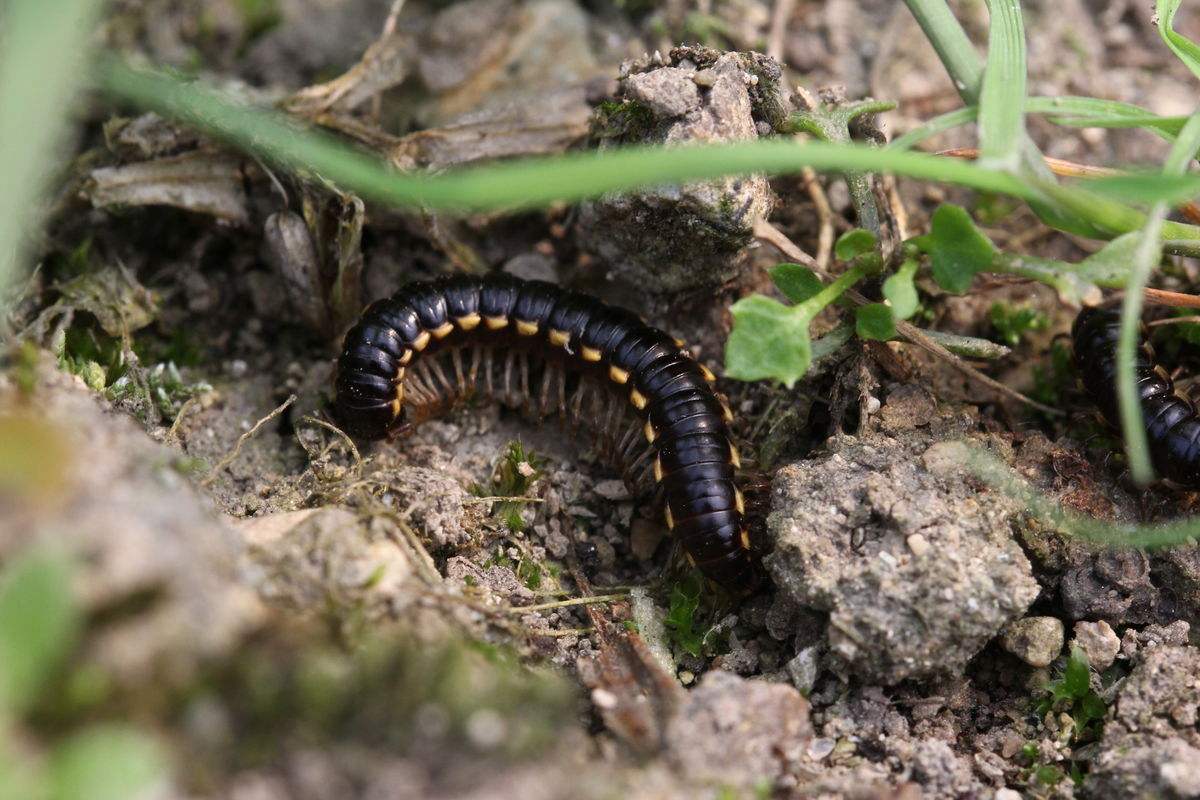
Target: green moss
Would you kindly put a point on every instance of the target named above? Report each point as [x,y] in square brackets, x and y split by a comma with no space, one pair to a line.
[623,122]
[514,474]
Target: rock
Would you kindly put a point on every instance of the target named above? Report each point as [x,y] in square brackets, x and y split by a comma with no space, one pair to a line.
[668,92]
[841,526]
[1098,642]
[1151,744]
[1177,571]
[672,238]
[433,503]
[804,669]
[943,773]
[313,559]
[146,543]
[1112,584]
[738,733]
[1035,640]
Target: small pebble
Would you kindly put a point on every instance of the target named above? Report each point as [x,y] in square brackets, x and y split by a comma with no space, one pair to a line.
[1035,640]
[918,544]
[1099,642]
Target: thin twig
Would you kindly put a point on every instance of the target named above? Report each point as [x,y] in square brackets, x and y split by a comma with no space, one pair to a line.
[781,15]
[1173,321]
[191,403]
[772,235]
[824,217]
[1161,297]
[575,601]
[502,499]
[358,459]
[766,232]
[237,448]
[563,632]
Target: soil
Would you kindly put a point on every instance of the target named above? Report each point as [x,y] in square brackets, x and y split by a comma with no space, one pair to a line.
[296,615]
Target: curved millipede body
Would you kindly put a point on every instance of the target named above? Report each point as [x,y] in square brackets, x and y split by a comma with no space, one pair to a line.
[1172,425]
[534,345]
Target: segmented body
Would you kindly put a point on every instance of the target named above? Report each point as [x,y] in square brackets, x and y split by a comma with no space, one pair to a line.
[1172,425]
[534,345]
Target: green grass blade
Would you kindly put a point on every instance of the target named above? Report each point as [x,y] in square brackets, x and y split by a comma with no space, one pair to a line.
[1183,47]
[1002,99]
[1122,534]
[1070,111]
[1146,258]
[42,52]
[939,124]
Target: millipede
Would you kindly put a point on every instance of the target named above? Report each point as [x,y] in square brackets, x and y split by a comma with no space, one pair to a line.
[1172,425]
[543,349]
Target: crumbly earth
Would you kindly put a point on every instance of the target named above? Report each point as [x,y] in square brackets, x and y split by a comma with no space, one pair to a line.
[294,615]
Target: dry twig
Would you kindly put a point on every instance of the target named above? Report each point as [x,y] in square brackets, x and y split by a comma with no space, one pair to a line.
[237,448]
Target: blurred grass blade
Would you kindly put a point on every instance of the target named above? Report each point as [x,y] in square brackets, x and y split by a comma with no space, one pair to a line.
[105,762]
[528,183]
[1146,258]
[43,46]
[537,182]
[1183,47]
[1002,100]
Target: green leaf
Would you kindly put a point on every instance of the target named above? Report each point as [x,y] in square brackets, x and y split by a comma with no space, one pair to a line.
[1183,47]
[1076,679]
[957,249]
[797,283]
[1012,323]
[901,291]
[854,243]
[104,762]
[769,340]
[874,321]
[38,626]
[681,615]
[1110,265]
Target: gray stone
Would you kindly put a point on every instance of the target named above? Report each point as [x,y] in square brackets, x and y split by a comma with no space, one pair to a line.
[670,238]
[738,733]
[1151,744]
[841,526]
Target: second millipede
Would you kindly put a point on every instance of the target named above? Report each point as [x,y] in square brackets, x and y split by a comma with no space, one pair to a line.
[1172,425]
[534,345]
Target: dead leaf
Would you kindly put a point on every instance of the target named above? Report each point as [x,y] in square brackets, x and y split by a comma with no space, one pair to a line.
[200,181]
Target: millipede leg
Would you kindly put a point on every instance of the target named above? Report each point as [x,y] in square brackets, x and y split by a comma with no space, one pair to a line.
[456,359]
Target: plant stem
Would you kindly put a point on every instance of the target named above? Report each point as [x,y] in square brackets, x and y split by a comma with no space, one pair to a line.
[833,290]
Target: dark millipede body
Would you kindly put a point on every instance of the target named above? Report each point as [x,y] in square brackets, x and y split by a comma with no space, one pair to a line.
[533,345]
[1172,426]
